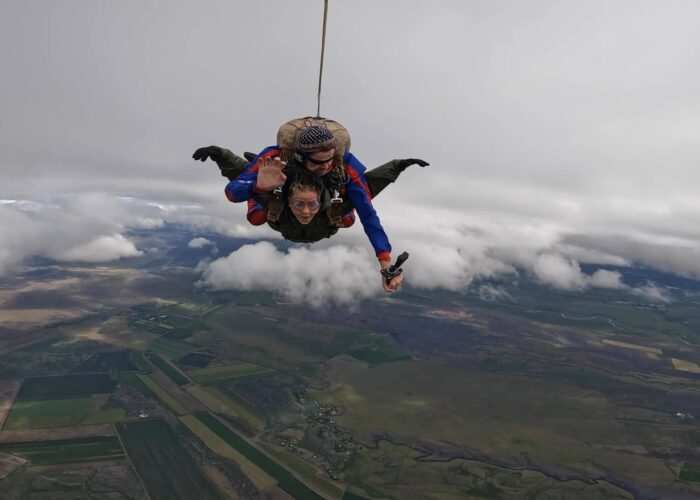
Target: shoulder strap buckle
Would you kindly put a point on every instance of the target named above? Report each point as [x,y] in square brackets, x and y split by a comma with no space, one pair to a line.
[335,211]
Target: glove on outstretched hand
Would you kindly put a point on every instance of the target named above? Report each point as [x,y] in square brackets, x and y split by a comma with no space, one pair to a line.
[213,152]
[403,164]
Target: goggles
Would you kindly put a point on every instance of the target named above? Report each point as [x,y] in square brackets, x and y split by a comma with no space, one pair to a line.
[318,162]
[312,205]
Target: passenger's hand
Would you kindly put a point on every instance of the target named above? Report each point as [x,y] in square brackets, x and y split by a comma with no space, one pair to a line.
[403,164]
[393,285]
[395,282]
[213,152]
[270,174]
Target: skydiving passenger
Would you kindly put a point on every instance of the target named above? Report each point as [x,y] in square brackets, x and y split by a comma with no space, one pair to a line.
[342,186]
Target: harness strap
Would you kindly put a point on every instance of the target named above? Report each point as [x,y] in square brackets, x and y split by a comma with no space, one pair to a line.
[274,208]
[335,210]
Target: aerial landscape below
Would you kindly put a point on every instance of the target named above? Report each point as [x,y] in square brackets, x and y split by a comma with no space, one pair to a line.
[128,381]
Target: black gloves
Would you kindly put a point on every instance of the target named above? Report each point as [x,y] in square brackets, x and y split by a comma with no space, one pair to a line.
[213,152]
[404,164]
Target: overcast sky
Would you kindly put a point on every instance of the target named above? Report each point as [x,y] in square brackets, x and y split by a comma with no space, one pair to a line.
[558,132]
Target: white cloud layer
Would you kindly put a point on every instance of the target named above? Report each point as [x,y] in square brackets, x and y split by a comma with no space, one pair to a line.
[448,255]
[102,249]
[82,227]
[198,243]
[337,275]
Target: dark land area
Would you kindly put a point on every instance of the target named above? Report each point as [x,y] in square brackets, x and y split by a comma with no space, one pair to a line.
[126,381]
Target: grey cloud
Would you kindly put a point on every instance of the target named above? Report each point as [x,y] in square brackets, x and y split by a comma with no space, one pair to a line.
[493,293]
[85,227]
[653,292]
[559,133]
[678,257]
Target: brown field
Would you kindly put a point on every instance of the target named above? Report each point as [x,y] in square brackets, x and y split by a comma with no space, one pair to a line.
[37,317]
[49,434]
[116,332]
[8,464]
[105,271]
[39,286]
[257,476]
[18,338]
[210,401]
[174,391]
[216,401]
[685,366]
[115,477]
[636,347]
[221,481]
[8,392]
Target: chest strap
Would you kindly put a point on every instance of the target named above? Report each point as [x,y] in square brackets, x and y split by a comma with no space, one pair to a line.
[274,208]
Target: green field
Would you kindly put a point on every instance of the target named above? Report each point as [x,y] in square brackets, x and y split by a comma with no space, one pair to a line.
[352,496]
[304,469]
[62,412]
[162,395]
[284,478]
[88,449]
[170,349]
[149,326]
[215,443]
[140,361]
[169,370]
[241,411]
[226,372]
[118,361]
[456,479]
[196,360]
[690,472]
[65,386]
[376,356]
[132,379]
[245,298]
[375,349]
[165,467]
[180,333]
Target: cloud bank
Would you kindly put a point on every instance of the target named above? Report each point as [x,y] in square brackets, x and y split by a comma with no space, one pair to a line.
[336,275]
[83,227]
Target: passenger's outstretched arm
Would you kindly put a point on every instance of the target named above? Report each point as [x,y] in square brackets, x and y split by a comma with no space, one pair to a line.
[245,186]
[359,194]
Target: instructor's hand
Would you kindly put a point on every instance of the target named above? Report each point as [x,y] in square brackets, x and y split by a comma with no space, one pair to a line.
[270,174]
[213,152]
[403,164]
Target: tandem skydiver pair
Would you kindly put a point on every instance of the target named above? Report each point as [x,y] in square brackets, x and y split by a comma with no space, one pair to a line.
[311,186]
